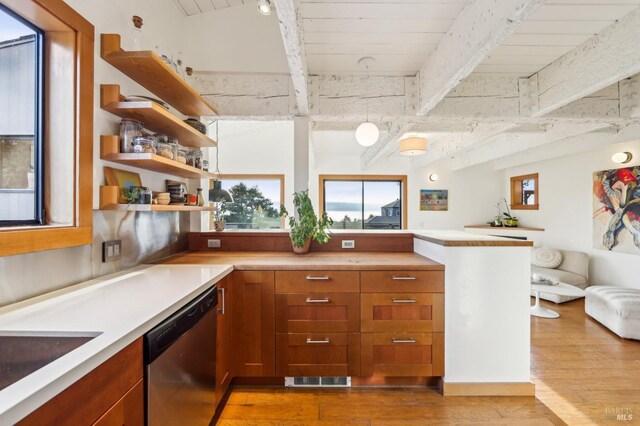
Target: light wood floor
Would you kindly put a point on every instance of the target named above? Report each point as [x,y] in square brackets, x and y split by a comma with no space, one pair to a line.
[583,373]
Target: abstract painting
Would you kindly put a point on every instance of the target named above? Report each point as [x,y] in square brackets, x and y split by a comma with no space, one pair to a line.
[435,200]
[616,210]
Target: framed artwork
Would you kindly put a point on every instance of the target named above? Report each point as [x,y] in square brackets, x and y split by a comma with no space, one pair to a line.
[434,200]
[616,210]
[122,179]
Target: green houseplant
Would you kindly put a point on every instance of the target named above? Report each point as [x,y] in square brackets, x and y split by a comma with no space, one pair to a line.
[307,226]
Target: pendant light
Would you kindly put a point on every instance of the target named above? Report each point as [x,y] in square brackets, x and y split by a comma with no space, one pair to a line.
[367,133]
[413,146]
[217,194]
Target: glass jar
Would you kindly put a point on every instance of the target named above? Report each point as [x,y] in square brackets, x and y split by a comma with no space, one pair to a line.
[144,145]
[181,156]
[205,165]
[191,158]
[129,129]
[166,150]
[200,197]
[144,195]
[197,162]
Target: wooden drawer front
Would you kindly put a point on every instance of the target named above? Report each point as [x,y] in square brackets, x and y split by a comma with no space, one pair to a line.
[404,312]
[399,281]
[318,312]
[317,281]
[402,354]
[307,354]
[128,411]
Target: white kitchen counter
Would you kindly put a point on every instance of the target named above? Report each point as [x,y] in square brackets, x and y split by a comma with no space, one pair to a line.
[119,308]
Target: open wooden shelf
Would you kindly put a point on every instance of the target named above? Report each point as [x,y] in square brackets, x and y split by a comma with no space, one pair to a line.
[109,151]
[154,117]
[109,201]
[150,71]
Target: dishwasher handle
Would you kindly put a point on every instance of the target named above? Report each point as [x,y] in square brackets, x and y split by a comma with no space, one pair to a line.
[168,331]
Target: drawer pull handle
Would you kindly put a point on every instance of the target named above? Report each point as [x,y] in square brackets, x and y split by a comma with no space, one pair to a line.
[403,300]
[409,340]
[403,278]
[318,342]
[325,300]
[321,278]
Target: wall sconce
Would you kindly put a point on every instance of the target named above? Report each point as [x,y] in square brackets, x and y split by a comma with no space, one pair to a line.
[433,177]
[621,157]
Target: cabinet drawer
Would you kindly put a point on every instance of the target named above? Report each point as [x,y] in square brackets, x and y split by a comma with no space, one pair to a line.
[399,281]
[318,312]
[318,354]
[317,281]
[402,354]
[402,312]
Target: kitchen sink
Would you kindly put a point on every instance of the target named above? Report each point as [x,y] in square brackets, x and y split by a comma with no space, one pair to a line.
[22,353]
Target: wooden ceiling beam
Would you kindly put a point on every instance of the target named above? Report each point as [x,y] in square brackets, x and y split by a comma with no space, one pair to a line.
[293,39]
[606,58]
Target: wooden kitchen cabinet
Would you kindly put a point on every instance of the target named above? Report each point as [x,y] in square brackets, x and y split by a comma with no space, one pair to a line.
[416,312]
[318,312]
[224,374]
[399,354]
[318,354]
[113,390]
[317,281]
[253,323]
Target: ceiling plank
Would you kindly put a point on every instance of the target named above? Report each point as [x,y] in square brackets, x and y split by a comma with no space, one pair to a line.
[604,59]
[293,38]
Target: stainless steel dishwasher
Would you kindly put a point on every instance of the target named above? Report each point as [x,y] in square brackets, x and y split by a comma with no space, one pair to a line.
[180,365]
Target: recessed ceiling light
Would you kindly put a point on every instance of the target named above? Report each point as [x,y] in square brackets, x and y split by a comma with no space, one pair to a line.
[264,7]
[621,157]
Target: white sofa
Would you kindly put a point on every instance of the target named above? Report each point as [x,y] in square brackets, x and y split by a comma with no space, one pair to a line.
[573,270]
[617,308]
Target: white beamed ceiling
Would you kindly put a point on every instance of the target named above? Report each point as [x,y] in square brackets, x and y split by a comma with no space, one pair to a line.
[399,35]
[196,7]
[557,27]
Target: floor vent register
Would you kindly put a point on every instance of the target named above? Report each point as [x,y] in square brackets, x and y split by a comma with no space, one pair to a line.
[318,382]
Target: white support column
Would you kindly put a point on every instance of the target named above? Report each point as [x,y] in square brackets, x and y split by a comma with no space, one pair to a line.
[301,153]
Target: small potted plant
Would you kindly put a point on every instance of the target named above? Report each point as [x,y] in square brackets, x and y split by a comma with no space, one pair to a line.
[219,222]
[307,226]
[131,194]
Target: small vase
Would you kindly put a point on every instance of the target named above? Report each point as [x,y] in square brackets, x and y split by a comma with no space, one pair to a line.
[219,225]
[302,250]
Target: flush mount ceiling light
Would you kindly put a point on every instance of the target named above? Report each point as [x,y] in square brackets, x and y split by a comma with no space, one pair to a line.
[621,157]
[264,7]
[413,146]
[433,177]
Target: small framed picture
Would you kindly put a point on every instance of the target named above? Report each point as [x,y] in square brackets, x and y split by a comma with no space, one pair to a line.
[434,200]
[122,179]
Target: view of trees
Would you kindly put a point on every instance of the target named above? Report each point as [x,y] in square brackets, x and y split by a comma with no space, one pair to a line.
[251,209]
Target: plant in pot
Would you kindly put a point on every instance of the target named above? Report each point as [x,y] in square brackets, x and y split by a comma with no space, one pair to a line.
[307,226]
[219,222]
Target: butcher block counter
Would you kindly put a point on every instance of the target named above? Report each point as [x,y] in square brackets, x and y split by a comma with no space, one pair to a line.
[283,261]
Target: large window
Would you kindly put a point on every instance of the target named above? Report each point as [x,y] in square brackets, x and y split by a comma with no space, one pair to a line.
[256,201]
[364,202]
[20,121]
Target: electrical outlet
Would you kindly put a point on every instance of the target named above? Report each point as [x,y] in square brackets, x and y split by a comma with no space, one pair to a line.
[213,243]
[111,250]
[348,244]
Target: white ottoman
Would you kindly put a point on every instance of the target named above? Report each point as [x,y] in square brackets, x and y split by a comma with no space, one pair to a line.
[617,308]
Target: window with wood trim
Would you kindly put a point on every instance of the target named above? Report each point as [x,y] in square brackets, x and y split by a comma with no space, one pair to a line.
[524,192]
[256,201]
[364,201]
[65,173]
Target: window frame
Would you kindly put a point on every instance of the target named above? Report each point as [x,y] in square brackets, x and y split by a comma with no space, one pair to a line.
[371,178]
[68,45]
[248,176]
[38,148]
[516,192]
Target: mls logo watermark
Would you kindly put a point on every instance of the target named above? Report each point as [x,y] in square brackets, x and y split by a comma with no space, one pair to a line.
[619,413]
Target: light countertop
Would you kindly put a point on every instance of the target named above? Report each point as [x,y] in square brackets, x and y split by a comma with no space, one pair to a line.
[336,261]
[119,308]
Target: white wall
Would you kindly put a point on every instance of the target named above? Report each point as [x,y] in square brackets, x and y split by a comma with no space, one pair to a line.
[566,210]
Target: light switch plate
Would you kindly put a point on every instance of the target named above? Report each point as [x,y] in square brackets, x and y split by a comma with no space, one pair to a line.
[213,243]
[111,250]
[348,244]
